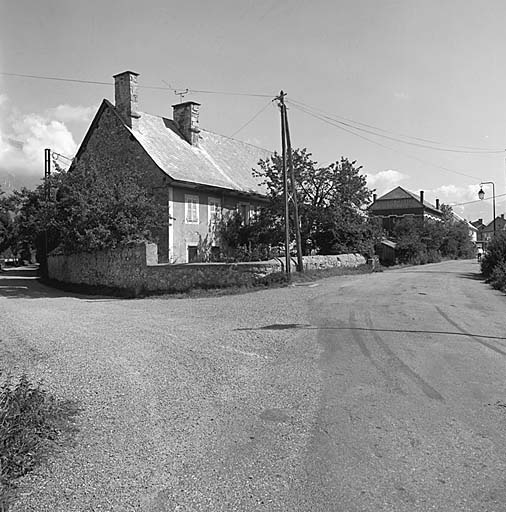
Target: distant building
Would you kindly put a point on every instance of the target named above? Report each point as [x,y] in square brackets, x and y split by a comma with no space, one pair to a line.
[488,231]
[196,174]
[400,203]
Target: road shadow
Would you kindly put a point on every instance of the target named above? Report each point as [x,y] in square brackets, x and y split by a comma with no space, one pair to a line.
[475,276]
[281,327]
[24,283]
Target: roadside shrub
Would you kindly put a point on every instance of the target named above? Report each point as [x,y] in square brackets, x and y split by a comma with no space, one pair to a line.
[495,255]
[498,277]
[31,421]
[433,256]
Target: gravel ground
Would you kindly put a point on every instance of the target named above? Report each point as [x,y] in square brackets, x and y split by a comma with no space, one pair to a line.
[380,392]
[185,404]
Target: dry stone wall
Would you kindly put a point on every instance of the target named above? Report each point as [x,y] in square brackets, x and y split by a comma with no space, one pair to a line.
[136,269]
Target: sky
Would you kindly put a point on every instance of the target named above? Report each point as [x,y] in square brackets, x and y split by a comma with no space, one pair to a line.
[429,73]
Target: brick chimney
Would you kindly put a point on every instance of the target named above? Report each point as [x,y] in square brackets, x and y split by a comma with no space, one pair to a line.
[125,97]
[437,204]
[421,196]
[186,116]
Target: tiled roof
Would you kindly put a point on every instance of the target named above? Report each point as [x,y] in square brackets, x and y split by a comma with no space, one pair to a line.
[400,198]
[500,225]
[217,161]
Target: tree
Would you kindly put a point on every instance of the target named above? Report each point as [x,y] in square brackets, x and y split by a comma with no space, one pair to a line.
[5,222]
[331,201]
[426,241]
[91,207]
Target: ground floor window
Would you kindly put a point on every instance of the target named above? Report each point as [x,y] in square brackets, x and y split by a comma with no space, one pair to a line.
[192,253]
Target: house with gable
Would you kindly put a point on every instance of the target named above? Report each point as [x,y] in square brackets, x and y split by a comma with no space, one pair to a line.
[197,175]
[492,228]
[399,203]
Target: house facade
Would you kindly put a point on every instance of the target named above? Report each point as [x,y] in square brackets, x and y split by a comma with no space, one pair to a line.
[487,232]
[399,203]
[197,175]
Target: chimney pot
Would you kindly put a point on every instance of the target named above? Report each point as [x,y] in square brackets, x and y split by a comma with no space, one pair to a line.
[502,215]
[186,116]
[374,196]
[125,97]
[437,204]
[421,196]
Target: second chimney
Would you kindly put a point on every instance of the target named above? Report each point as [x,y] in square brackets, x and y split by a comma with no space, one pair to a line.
[421,196]
[125,97]
[437,204]
[186,116]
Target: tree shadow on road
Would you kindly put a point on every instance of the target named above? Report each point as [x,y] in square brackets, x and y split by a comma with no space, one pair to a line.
[24,283]
[279,327]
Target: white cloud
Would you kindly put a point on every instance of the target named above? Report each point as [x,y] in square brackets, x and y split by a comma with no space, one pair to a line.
[23,139]
[384,181]
[69,113]
[453,194]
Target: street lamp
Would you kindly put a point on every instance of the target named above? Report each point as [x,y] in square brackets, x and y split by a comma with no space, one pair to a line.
[481,195]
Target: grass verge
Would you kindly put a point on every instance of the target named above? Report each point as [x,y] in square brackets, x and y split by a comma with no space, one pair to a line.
[32,422]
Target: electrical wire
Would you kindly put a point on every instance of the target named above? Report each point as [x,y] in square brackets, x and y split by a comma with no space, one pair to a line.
[251,120]
[481,151]
[160,88]
[383,145]
[394,135]
[479,200]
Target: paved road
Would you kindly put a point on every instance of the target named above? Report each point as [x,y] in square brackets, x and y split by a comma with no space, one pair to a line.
[380,392]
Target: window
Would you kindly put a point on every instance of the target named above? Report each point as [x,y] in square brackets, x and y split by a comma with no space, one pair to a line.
[214,210]
[191,209]
[192,253]
[243,209]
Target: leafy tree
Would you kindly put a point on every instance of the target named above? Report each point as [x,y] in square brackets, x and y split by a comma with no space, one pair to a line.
[5,222]
[91,207]
[331,202]
[495,257]
[426,241]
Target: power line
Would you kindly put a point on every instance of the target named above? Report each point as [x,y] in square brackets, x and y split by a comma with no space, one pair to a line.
[383,145]
[479,200]
[251,120]
[160,88]
[482,151]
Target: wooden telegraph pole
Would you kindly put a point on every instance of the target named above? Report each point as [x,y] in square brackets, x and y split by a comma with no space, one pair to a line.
[298,242]
[285,185]
[291,195]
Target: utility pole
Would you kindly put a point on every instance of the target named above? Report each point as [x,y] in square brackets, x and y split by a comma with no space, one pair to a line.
[298,242]
[47,193]
[281,99]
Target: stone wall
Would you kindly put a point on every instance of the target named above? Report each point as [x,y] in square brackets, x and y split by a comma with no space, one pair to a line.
[136,270]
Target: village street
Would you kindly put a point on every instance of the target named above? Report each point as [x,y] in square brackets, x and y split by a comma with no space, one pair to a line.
[375,392]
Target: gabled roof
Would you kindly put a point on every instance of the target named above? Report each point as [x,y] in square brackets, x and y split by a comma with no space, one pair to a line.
[500,224]
[478,224]
[400,196]
[217,161]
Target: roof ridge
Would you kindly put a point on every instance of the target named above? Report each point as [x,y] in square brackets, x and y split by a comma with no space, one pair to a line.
[214,133]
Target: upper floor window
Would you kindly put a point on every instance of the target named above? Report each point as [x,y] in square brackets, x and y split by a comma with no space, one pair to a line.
[214,209]
[191,209]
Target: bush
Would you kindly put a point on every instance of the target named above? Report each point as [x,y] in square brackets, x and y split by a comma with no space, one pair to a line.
[498,277]
[31,420]
[495,255]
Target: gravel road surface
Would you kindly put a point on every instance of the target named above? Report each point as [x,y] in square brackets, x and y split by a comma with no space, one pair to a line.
[376,392]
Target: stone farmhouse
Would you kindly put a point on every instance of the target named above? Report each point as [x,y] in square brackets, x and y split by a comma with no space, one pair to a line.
[197,175]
